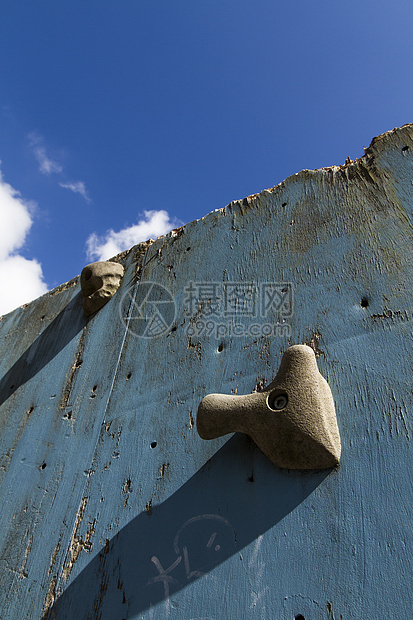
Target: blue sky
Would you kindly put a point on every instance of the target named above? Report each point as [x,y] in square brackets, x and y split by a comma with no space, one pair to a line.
[132,116]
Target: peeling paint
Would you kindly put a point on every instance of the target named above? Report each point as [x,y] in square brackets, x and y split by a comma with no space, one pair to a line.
[76,365]
[314,344]
[77,544]
[50,596]
[54,556]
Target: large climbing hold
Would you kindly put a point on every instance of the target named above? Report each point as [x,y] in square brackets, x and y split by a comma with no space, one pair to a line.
[292,421]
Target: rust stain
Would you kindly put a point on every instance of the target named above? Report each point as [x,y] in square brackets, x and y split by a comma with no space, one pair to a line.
[191,421]
[148,507]
[77,544]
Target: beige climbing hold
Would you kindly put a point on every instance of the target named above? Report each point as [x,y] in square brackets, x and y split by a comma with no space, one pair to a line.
[292,421]
[99,282]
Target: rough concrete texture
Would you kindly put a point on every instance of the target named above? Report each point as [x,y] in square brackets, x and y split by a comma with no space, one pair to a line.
[99,282]
[292,421]
[113,507]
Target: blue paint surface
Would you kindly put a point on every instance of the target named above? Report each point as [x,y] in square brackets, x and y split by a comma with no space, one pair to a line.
[113,507]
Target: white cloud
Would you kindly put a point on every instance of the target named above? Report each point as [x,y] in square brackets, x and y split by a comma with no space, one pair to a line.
[21,280]
[78,187]
[46,165]
[151,225]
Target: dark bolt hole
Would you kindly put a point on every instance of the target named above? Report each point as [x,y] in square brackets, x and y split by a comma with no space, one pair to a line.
[364,302]
[153,444]
[187,249]
[12,387]
[94,388]
[299,617]
[220,348]
[405,148]
[173,328]
[30,410]
[277,401]
[284,204]
[128,376]
[43,466]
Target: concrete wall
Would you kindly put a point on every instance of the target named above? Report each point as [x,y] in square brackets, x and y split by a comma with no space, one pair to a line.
[113,507]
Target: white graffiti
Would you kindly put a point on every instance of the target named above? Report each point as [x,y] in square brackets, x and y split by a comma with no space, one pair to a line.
[184,553]
[258,567]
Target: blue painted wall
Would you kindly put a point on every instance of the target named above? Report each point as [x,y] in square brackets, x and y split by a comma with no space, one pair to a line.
[113,507]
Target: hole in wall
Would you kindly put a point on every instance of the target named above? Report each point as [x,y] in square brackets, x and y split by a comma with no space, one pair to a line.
[128,376]
[299,617]
[43,466]
[220,348]
[364,302]
[153,444]
[405,148]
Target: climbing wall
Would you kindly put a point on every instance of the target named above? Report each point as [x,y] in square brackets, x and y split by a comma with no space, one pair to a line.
[113,507]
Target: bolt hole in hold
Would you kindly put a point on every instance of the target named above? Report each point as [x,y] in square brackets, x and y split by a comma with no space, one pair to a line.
[128,376]
[364,302]
[43,466]
[299,617]
[277,401]
[153,444]
[405,148]
[220,348]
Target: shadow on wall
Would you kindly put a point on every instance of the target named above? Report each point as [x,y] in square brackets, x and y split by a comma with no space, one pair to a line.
[69,322]
[226,505]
